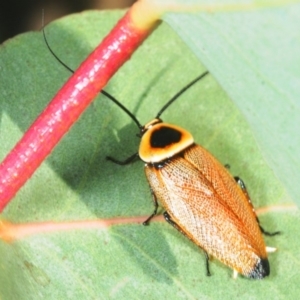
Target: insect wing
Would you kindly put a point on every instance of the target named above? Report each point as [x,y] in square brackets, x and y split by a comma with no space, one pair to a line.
[209,207]
[230,195]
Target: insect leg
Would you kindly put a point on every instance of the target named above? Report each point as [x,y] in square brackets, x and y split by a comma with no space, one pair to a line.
[207,264]
[127,161]
[155,208]
[171,222]
[267,232]
[242,185]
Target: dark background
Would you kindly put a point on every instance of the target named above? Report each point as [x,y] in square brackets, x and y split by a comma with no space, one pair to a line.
[17,16]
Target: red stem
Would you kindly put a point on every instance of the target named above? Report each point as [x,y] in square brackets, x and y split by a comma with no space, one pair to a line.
[67,106]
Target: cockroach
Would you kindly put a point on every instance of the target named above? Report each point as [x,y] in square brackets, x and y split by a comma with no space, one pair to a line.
[201,198]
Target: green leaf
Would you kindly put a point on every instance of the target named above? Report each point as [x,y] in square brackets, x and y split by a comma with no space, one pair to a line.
[77,183]
[254,55]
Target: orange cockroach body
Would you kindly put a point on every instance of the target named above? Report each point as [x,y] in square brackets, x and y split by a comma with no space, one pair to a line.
[202,200]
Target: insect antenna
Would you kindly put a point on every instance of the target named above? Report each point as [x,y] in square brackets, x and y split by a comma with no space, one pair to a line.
[53,53]
[180,93]
[131,115]
[112,98]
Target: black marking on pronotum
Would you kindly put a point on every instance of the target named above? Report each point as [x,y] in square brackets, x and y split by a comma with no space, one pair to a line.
[164,137]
